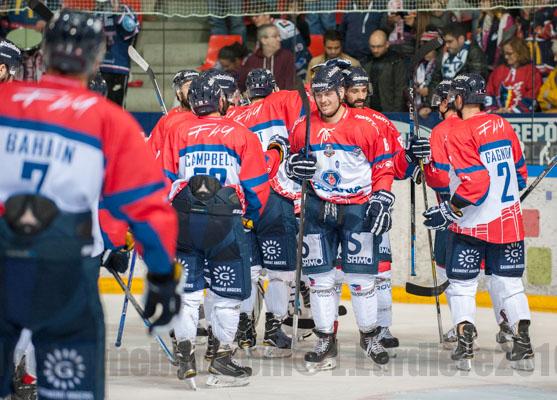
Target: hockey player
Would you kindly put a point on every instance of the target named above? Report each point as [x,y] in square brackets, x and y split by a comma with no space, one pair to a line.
[52,133]
[486,170]
[358,89]
[349,204]
[437,177]
[271,116]
[218,175]
[10,61]
[180,83]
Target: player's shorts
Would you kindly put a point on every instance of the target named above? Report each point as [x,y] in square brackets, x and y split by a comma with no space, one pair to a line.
[276,235]
[440,247]
[385,248]
[465,255]
[327,226]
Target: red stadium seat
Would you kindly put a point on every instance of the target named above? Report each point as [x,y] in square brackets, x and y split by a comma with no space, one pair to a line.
[316,46]
[217,42]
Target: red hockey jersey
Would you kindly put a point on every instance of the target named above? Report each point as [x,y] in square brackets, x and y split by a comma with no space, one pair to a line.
[223,149]
[512,88]
[487,171]
[156,138]
[352,160]
[67,143]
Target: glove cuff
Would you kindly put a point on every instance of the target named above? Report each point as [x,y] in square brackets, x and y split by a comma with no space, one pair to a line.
[172,276]
[384,196]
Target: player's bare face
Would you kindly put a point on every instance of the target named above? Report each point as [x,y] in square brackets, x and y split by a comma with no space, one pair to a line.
[328,103]
[356,96]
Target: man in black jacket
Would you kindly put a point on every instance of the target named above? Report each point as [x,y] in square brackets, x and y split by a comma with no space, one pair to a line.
[387,74]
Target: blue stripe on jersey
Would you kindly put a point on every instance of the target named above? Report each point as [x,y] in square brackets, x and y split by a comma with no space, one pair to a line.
[477,203]
[467,170]
[268,124]
[520,163]
[521,181]
[441,189]
[210,147]
[335,146]
[120,199]
[382,157]
[441,166]
[494,145]
[253,203]
[170,175]
[51,128]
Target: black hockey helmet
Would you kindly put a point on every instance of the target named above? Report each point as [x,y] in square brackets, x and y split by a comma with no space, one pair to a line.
[441,93]
[260,82]
[98,84]
[10,55]
[73,42]
[183,76]
[228,83]
[470,86]
[342,63]
[327,78]
[357,76]
[205,94]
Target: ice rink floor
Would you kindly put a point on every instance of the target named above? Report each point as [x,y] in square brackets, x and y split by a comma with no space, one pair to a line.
[422,369]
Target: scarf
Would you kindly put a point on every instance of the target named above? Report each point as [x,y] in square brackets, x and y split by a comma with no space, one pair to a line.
[452,64]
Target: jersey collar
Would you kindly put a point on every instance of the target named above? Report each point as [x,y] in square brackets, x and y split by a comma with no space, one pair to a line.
[62,80]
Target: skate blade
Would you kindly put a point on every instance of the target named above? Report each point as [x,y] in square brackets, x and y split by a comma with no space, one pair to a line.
[190,383]
[325,365]
[526,364]
[275,352]
[464,365]
[376,366]
[218,381]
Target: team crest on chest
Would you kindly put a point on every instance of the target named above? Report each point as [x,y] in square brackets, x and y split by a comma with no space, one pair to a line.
[329,151]
[331,178]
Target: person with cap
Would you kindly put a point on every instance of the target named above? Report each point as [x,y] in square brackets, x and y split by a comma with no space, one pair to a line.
[349,203]
[484,218]
[65,147]
[10,61]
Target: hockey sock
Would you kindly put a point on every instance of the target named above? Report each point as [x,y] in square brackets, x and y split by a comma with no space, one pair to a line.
[513,300]
[323,300]
[463,300]
[224,319]
[186,324]
[384,302]
[276,296]
[247,304]
[496,300]
[364,300]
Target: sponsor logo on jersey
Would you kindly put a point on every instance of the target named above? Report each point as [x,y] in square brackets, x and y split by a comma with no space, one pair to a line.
[211,129]
[312,251]
[513,253]
[224,276]
[58,99]
[324,134]
[331,178]
[64,369]
[355,287]
[469,259]
[271,252]
[360,247]
[329,152]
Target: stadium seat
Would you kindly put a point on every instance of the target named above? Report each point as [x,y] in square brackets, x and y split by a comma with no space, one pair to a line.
[316,46]
[217,42]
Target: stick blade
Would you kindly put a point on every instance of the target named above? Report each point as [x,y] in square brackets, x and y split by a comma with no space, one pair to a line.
[136,57]
[425,291]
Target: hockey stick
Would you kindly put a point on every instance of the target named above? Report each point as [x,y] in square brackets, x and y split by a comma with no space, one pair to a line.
[141,313]
[544,173]
[41,9]
[118,341]
[309,323]
[420,54]
[144,65]
[300,245]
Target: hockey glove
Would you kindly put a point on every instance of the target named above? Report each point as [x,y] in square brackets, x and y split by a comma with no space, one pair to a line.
[440,217]
[418,149]
[417,175]
[162,293]
[298,167]
[281,144]
[378,212]
[115,260]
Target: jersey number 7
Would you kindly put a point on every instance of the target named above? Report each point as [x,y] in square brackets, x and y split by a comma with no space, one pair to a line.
[28,169]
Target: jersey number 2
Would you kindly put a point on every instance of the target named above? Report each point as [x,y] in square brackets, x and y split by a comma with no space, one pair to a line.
[27,173]
[503,169]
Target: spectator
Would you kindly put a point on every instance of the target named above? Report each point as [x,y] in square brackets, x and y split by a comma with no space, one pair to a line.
[433,20]
[271,56]
[547,96]
[460,56]
[495,26]
[226,25]
[424,73]
[332,41]
[232,57]
[401,28]
[509,88]
[319,23]
[120,28]
[291,40]
[356,27]
[387,75]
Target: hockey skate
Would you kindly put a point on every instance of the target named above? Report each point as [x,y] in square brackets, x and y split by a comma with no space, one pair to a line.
[324,355]
[226,372]
[185,355]
[522,355]
[388,341]
[450,339]
[370,342]
[464,351]
[246,335]
[174,348]
[212,345]
[276,344]
[505,337]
